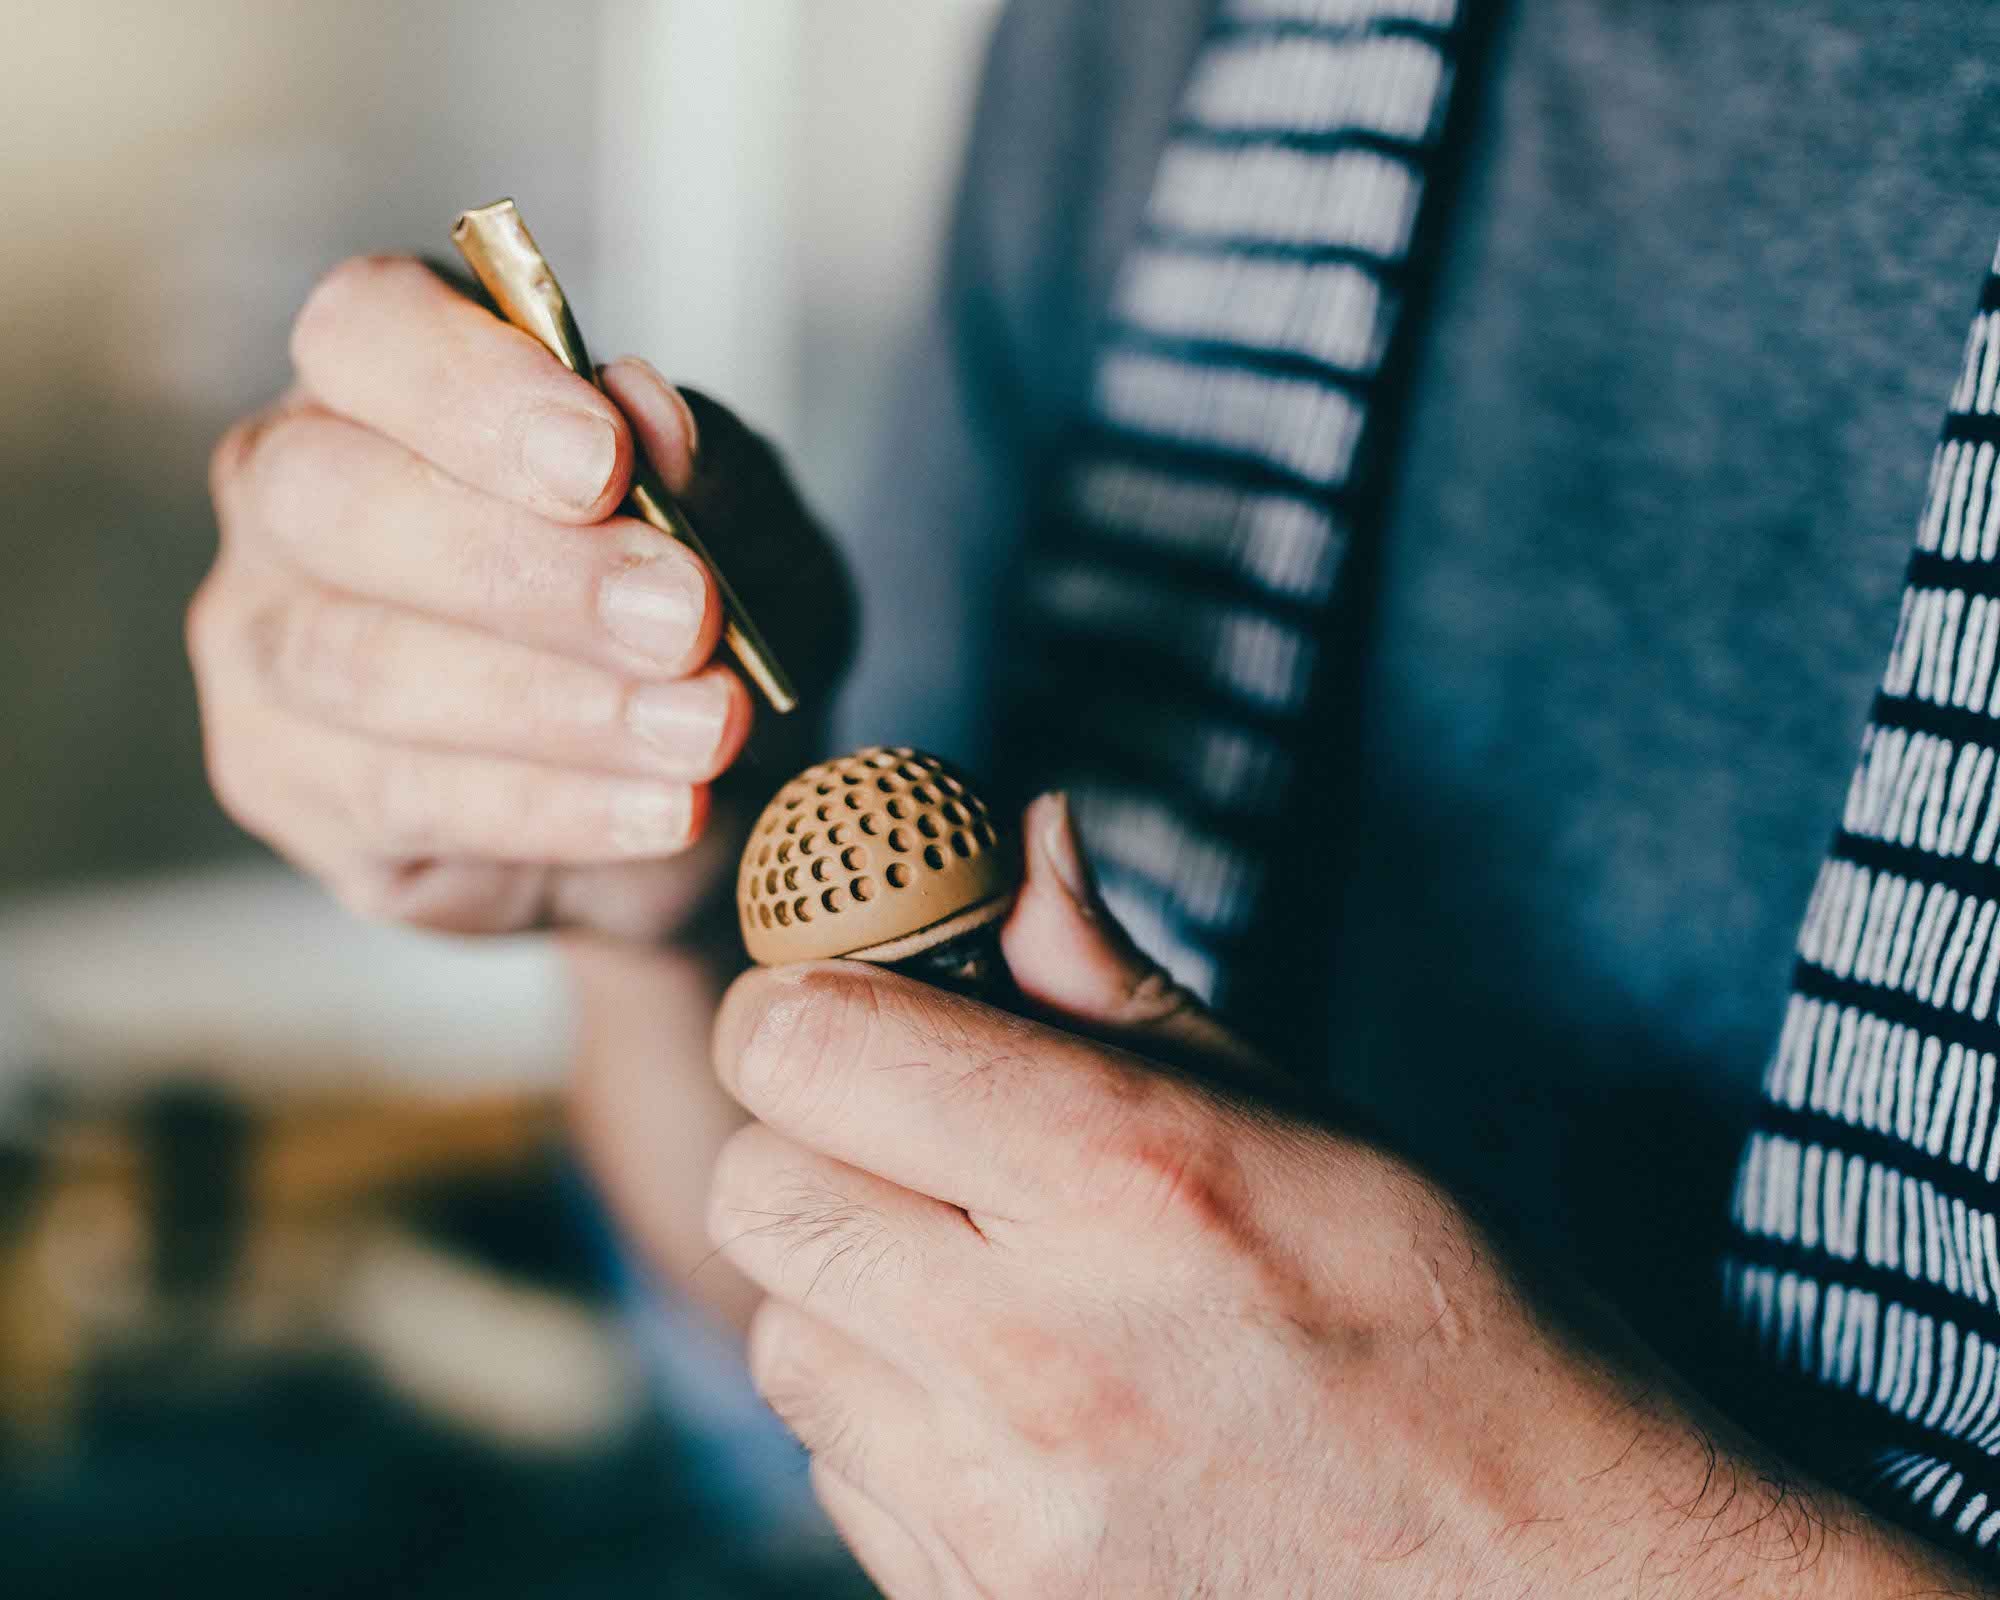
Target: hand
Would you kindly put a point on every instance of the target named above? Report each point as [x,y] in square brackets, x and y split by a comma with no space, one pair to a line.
[436,670]
[1054,1322]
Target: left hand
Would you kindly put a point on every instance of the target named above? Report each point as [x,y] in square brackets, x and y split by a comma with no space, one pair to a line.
[1054,1322]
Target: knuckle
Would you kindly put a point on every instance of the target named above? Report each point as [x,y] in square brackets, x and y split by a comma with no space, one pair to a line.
[800,1057]
[325,652]
[204,623]
[1161,1159]
[384,801]
[328,311]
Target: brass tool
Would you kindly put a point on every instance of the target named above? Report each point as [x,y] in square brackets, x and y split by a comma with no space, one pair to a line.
[504,258]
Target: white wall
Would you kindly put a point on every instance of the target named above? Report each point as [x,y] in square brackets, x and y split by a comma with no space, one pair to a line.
[773,185]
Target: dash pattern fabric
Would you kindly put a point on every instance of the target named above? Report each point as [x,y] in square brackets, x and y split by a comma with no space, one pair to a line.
[1194,555]
[1866,1261]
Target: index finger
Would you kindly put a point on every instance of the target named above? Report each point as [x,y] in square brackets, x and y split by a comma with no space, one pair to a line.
[943,1095]
[386,343]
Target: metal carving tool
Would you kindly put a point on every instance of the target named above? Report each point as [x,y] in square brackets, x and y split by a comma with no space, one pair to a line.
[503,256]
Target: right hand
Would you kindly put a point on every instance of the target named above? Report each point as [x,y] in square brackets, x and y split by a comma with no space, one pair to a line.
[436,671]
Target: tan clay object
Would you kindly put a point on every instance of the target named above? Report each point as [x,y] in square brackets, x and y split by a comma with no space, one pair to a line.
[878,856]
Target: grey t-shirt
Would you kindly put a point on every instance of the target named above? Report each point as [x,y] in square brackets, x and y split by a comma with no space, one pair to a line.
[1704,289]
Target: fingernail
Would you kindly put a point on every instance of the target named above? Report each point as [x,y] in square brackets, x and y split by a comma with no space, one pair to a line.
[570,454]
[655,607]
[683,722]
[675,401]
[650,818]
[1063,851]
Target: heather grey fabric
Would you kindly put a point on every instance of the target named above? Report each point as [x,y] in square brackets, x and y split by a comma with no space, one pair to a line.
[1702,299]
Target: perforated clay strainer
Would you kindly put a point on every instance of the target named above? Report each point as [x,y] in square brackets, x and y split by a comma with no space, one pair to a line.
[878,856]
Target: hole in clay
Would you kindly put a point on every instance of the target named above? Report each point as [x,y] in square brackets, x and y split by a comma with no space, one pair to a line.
[785,852]
[826,788]
[957,812]
[792,826]
[822,812]
[933,858]
[791,878]
[951,784]
[863,889]
[806,843]
[838,834]
[764,915]
[764,856]
[895,809]
[833,900]
[850,778]
[801,910]
[924,796]
[784,915]
[961,845]
[866,823]
[898,875]
[886,785]
[854,858]
[853,801]
[822,870]
[771,880]
[899,841]
[927,825]
[912,771]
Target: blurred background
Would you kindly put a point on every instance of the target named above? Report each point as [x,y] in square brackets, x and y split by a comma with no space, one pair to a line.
[297,1290]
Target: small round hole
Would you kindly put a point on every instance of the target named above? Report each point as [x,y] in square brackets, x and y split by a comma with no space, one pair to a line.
[895,809]
[822,870]
[866,823]
[791,878]
[785,852]
[961,846]
[833,900]
[898,875]
[794,801]
[927,825]
[838,834]
[853,801]
[863,889]
[764,915]
[933,858]
[792,826]
[912,771]
[957,813]
[764,856]
[756,888]
[923,795]
[784,915]
[806,843]
[899,841]
[886,785]
[850,778]
[771,880]
[951,784]
[822,812]
[826,788]
[802,909]
[854,858]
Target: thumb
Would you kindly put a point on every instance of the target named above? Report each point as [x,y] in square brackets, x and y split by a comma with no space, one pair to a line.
[1069,957]
[662,421]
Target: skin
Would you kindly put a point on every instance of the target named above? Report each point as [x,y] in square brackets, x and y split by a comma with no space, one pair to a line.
[413,687]
[1056,1319]
[1053,1317]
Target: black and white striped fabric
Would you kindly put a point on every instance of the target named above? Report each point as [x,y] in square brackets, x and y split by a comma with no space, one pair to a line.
[1190,565]
[1866,1258]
